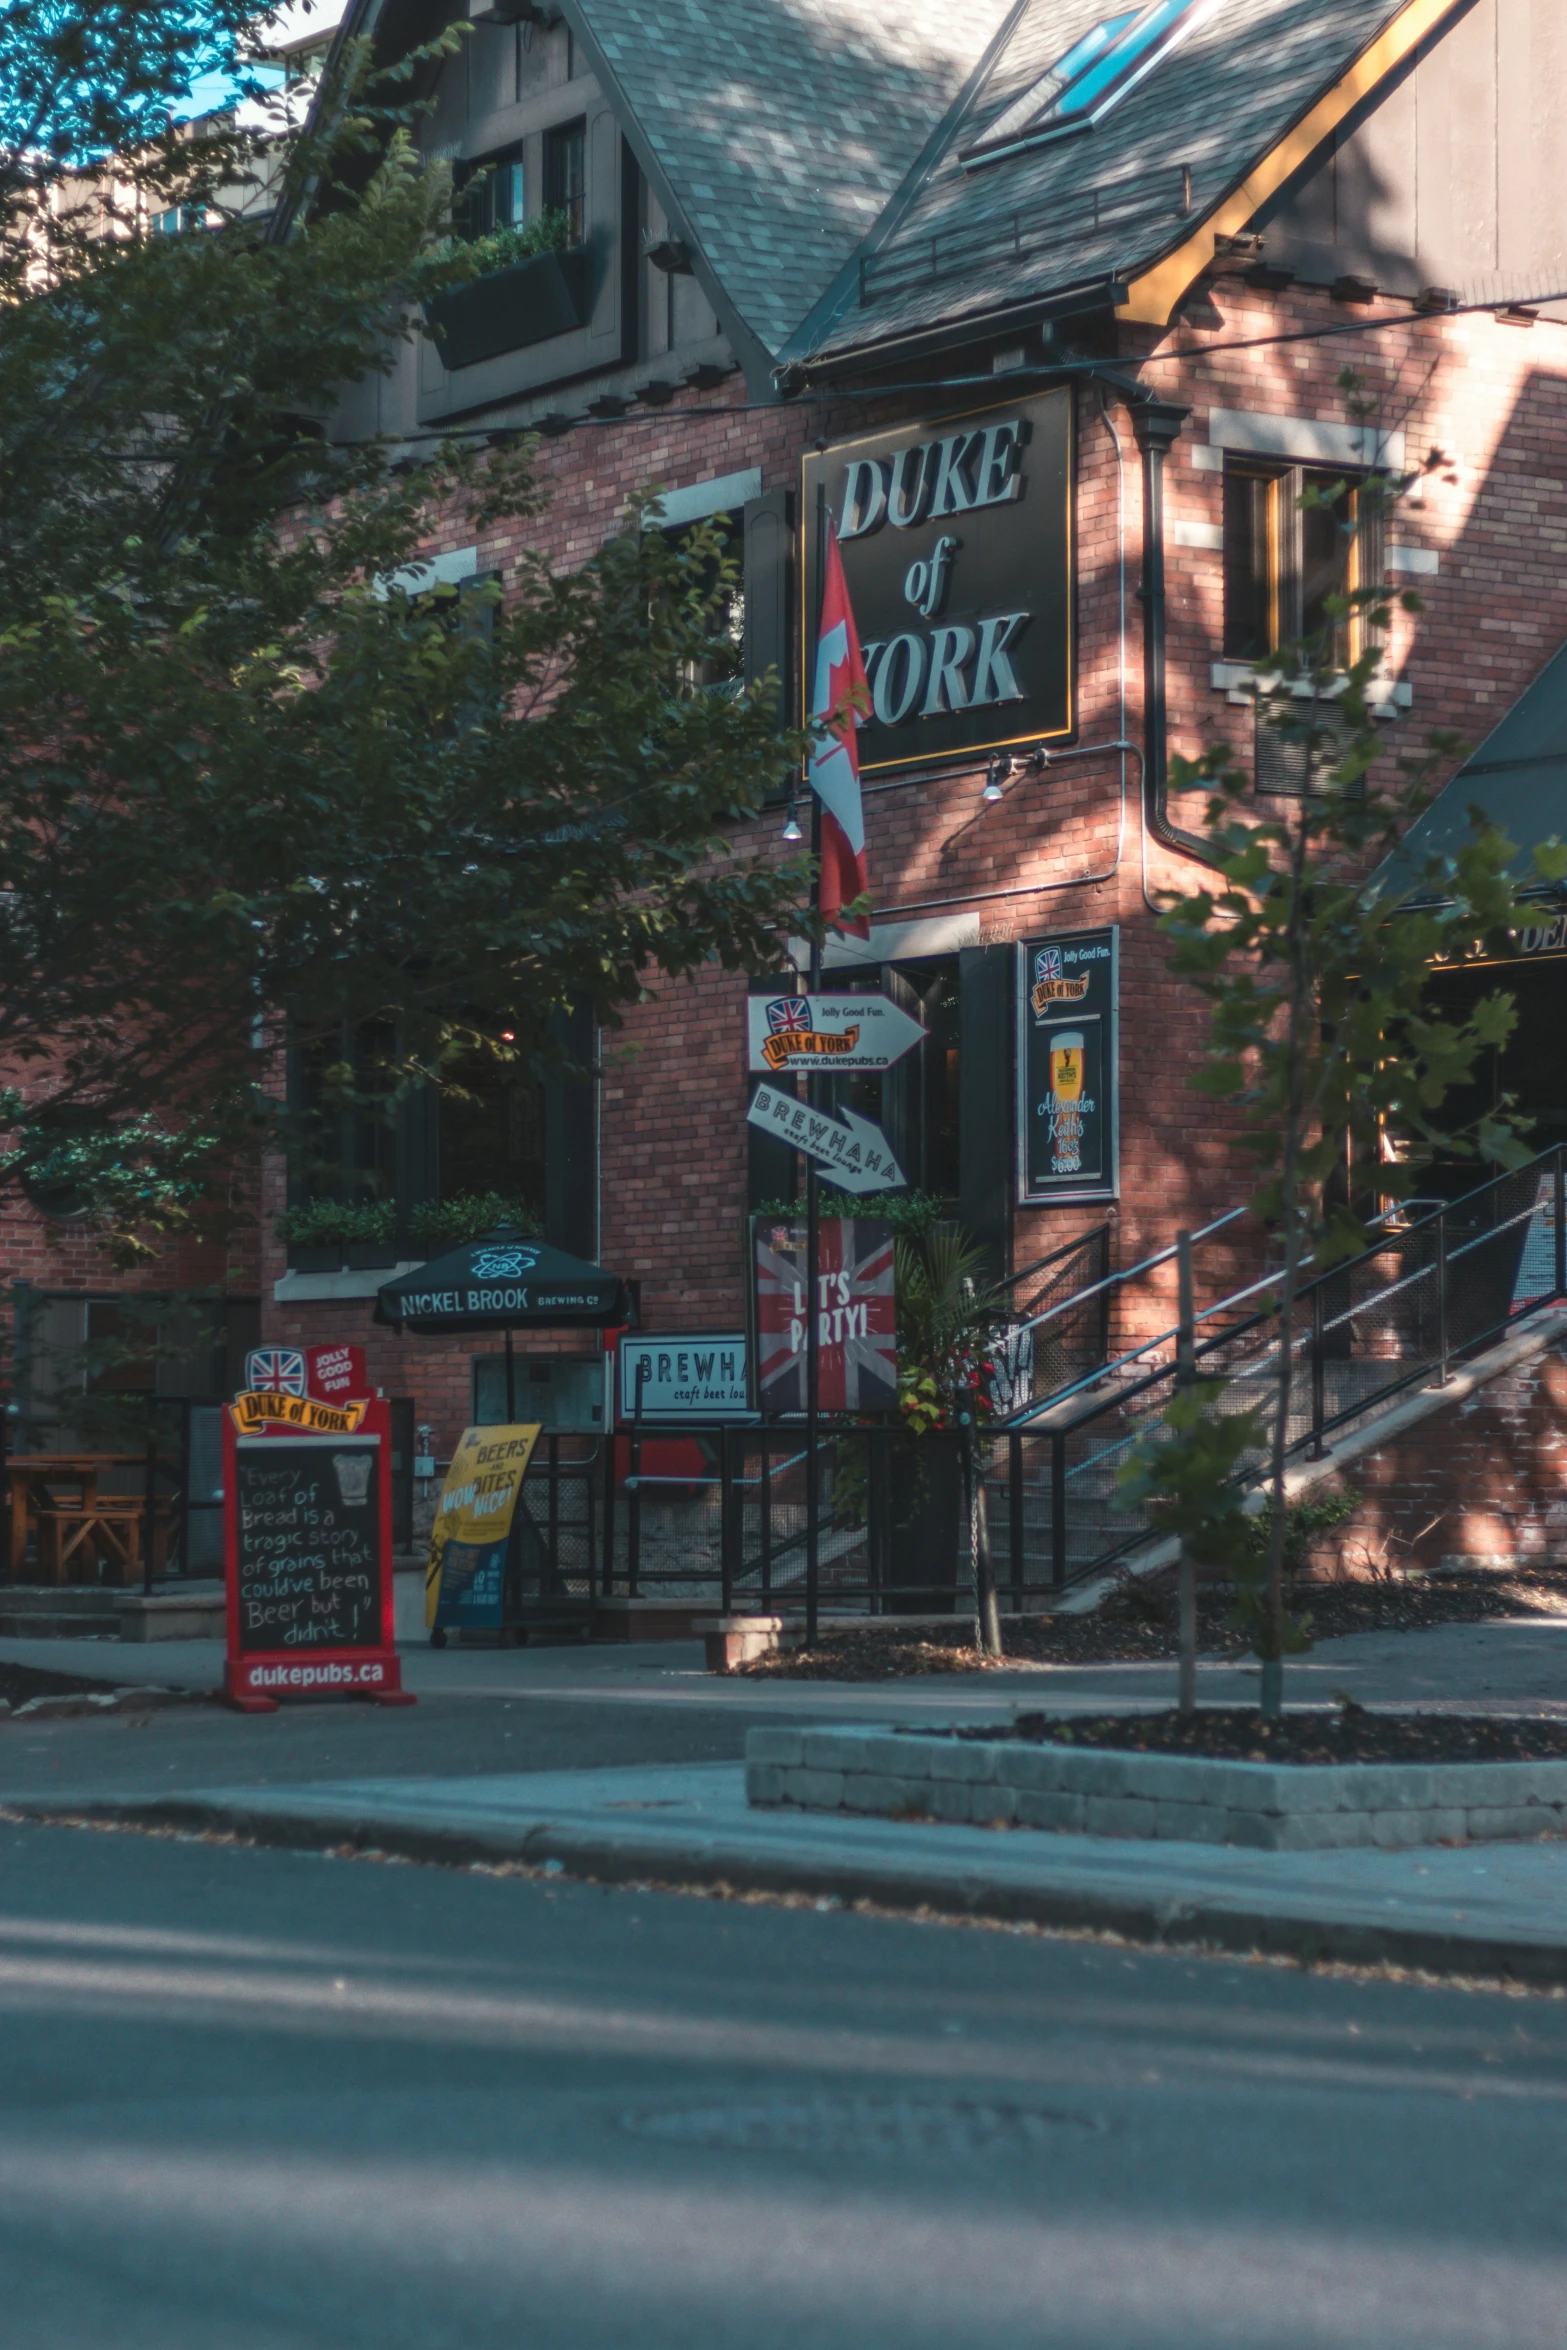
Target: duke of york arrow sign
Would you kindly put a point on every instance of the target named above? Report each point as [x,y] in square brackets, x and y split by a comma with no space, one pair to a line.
[852,1151]
[834,1033]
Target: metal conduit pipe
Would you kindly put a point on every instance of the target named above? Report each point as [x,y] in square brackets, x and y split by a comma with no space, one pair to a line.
[1157,424]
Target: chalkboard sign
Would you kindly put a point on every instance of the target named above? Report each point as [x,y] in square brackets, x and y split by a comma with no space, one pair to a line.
[309,1550]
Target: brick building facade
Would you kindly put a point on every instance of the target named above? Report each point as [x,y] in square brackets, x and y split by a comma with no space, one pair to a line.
[1296,169]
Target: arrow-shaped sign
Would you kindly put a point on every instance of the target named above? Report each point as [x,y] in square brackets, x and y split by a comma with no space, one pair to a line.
[829,1032]
[853,1150]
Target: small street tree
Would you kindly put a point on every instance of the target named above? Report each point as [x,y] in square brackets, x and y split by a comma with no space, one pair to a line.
[1324,1040]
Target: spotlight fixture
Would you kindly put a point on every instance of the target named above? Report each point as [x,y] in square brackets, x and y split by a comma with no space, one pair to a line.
[995,779]
[791,830]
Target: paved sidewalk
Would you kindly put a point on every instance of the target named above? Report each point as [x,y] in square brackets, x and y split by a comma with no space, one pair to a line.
[1485,1910]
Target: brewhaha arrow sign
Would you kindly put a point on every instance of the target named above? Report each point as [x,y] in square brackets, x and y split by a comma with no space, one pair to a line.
[852,1150]
[828,1032]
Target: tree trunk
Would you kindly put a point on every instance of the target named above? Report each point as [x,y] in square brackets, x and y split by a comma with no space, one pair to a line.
[987,1615]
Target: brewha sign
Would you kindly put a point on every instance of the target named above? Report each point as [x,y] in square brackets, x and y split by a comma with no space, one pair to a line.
[957,548]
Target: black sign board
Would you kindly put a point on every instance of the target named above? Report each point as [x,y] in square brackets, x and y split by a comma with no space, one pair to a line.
[308,1520]
[1068,1066]
[956,537]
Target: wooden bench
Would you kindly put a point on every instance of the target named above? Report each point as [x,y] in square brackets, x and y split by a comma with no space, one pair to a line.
[100,1544]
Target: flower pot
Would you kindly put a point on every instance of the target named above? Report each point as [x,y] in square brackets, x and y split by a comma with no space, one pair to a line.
[507,309]
[315,1256]
[929,1562]
[371,1256]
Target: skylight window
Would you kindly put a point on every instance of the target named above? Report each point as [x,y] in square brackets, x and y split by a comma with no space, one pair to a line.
[1096,73]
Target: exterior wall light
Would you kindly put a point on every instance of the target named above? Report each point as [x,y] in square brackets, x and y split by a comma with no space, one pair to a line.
[791,830]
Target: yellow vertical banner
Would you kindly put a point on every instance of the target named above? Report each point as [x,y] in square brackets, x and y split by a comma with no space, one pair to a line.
[478,1499]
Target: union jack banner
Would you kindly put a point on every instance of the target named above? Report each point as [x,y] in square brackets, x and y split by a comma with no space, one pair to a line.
[857,1362]
[275,1370]
[790,1012]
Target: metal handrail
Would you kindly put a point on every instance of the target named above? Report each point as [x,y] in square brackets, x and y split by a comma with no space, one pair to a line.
[1069,1248]
[1113,1280]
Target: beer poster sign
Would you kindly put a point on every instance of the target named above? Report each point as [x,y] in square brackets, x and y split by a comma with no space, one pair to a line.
[856,1307]
[1068,1067]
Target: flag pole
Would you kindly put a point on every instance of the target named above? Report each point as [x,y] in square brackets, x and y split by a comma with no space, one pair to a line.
[813,1367]
[814,1211]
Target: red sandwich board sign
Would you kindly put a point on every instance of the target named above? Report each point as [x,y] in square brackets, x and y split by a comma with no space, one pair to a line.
[307,1508]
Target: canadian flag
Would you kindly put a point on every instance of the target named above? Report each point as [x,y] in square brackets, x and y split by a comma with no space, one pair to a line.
[837,708]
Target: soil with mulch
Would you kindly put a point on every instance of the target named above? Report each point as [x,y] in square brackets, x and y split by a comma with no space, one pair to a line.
[1137,1624]
[1349,1734]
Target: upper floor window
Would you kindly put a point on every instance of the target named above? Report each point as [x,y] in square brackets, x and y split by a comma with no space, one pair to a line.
[493,195]
[1294,538]
[1095,74]
[565,175]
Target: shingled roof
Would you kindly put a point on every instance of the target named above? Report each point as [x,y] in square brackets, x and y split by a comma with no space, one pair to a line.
[786,127]
[812,146]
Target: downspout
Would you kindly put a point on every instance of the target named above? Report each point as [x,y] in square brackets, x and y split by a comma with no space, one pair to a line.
[1157,423]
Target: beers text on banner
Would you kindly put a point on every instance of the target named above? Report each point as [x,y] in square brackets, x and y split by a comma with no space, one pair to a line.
[839,701]
[465,1578]
[856,1314]
[837,1033]
[854,1152]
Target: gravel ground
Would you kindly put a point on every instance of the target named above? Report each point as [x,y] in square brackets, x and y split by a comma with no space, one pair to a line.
[1137,1624]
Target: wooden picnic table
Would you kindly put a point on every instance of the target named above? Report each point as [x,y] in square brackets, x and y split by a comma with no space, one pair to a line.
[48,1491]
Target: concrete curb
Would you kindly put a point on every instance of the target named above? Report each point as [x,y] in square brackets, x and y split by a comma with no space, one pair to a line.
[956,1890]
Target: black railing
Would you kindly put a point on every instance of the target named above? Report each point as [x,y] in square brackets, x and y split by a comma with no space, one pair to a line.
[1434,1286]
[715,1516]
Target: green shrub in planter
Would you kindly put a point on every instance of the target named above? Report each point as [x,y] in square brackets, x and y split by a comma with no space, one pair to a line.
[437,1225]
[337,1223]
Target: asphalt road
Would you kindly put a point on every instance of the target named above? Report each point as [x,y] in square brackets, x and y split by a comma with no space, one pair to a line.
[269,2102]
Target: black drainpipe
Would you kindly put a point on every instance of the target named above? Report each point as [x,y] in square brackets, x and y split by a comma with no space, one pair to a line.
[1157,423]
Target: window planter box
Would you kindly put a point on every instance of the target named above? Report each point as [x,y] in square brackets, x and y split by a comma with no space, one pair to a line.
[315,1257]
[371,1256]
[508,309]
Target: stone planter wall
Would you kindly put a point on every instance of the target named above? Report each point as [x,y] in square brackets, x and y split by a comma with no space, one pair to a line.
[1277,1807]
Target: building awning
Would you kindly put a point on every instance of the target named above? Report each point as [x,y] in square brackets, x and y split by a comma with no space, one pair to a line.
[1518,778]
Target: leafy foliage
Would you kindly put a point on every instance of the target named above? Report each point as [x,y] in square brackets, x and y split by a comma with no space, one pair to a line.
[523,240]
[945,1319]
[433,1225]
[253,783]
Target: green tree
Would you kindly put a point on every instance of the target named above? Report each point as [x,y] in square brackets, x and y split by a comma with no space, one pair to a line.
[1322,1035]
[253,782]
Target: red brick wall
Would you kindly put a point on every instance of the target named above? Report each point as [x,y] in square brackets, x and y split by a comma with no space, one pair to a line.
[1486,1477]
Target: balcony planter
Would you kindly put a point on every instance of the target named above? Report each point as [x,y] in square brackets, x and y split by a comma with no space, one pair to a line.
[508,309]
[315,1256]
[371,1256]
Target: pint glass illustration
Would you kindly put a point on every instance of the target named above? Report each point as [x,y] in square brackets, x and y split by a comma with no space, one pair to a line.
[353,1477]
[1066,1066]
[1067,1102]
